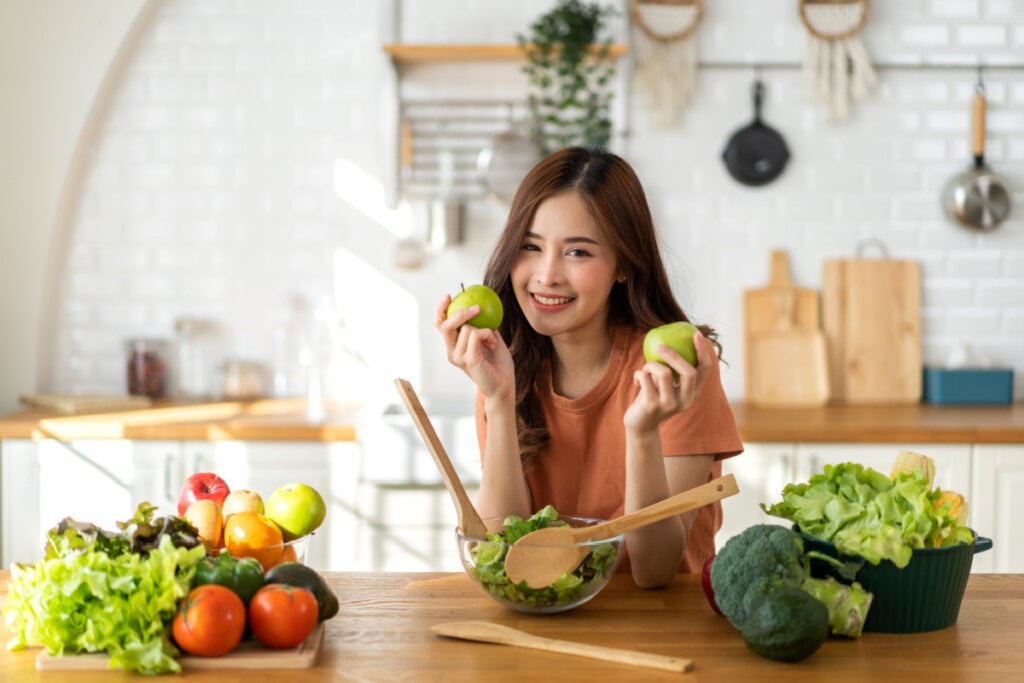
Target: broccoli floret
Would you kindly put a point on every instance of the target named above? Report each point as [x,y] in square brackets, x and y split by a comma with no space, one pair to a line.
[766,556]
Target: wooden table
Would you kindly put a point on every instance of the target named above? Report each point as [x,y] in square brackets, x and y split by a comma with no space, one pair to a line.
[382,634]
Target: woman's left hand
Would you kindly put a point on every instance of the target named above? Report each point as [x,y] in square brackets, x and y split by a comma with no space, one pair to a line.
[661,394]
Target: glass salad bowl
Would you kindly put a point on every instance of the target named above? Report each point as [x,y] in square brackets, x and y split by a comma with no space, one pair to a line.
[484,562]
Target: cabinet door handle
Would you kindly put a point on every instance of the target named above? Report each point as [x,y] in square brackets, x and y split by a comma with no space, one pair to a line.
[168,476]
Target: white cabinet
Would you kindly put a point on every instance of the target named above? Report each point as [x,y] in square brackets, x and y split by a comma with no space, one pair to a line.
[103,481]
[997,508]
[761,471]
[91,481]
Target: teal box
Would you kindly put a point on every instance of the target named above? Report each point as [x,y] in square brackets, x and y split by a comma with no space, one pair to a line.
[968,386]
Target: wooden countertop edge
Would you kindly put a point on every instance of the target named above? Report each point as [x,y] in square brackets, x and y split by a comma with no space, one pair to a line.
[285,420]
[257,420]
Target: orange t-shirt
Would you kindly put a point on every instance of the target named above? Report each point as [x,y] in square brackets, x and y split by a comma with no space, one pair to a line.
[582,469]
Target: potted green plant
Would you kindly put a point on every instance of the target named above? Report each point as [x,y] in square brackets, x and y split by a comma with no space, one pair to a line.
[569,73]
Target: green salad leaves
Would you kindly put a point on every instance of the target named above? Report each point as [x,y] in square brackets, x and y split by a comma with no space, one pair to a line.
[99,591]
[864,512]
[490,565]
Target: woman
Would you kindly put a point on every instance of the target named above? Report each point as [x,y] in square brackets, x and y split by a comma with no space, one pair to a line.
[568,411]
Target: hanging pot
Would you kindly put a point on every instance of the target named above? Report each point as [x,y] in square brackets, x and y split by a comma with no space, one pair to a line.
[756,154]
[978,198]
[504,163]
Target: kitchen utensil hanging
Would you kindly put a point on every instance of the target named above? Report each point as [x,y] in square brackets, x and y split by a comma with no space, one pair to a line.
[504,162]
[665,54]
[837,66]
[977,198]
[756,154]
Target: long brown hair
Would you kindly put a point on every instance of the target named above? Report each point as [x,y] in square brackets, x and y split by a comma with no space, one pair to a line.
[615,198]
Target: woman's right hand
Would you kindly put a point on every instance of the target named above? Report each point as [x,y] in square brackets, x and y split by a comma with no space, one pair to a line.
[480,353]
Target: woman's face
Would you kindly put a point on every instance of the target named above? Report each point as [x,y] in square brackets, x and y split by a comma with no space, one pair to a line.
[565,270]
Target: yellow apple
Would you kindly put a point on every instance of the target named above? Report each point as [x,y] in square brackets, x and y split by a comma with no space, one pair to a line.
[242,500]
[204,514]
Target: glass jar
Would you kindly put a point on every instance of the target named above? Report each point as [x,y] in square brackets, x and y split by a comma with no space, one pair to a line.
[243,379]
[147,367]
[198,352]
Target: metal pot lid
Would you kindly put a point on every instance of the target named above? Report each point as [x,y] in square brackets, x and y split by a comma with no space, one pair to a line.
[505,162]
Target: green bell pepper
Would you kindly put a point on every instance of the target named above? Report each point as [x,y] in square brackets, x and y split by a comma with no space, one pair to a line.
[244,575]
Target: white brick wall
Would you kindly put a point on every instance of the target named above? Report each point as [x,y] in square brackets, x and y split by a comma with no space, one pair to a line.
[209,190]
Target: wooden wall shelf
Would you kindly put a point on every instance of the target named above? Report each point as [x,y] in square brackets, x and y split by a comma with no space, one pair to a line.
[442,52]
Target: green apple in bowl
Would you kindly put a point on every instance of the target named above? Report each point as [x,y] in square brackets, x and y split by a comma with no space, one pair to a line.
[297,508]
[676,336]
[491,310]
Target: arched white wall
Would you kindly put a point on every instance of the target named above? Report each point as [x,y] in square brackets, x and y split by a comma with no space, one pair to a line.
[57,60]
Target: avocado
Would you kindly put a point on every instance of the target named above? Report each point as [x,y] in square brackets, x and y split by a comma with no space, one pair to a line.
[788,624]
[302,576]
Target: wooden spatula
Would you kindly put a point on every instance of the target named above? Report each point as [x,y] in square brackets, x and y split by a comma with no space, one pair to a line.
[486,632]
[541,556]
[470,523]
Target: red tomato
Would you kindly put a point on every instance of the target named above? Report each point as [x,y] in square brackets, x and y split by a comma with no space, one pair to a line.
[282,616]
[210,621]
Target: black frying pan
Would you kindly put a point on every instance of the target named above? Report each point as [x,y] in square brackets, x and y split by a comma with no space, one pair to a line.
[756,154]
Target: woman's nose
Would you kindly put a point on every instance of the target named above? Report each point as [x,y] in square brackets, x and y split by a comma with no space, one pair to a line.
[549,270]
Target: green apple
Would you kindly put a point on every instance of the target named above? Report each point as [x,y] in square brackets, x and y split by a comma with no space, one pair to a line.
[491,310]
[676,336]
[297,508]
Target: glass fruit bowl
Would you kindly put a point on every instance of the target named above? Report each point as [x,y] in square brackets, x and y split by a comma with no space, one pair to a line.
[271,556]
[484,562]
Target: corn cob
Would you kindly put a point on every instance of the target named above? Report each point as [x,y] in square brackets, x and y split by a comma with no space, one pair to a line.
[909,462]
[955,505]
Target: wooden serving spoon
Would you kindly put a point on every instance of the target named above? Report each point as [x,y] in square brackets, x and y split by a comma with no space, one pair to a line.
[486,632]
[541,556]
[470,523]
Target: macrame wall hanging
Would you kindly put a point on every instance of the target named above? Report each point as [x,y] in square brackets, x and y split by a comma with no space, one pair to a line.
[837,66]
[665,54]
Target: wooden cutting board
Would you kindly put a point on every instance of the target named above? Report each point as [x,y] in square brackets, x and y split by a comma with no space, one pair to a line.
[785,359]
[248,655]
[781,303]
[72,404]
[871,310]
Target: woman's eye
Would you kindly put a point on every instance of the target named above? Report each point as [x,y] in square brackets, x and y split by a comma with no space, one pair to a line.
[578,252]
[531,247]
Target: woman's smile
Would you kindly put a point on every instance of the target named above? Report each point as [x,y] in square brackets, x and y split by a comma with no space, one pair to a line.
[551,302]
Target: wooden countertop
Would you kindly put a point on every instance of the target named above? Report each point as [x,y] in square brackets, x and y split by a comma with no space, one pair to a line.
[919,423]
[285,420]
[382,633]
[258,420]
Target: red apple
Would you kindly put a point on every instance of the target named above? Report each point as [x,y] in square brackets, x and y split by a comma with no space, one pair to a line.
[705,581]
[202,485]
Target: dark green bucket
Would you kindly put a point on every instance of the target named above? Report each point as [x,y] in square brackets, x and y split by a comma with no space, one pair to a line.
[923,596]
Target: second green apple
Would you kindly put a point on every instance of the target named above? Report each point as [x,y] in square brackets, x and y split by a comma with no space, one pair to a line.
[676,336]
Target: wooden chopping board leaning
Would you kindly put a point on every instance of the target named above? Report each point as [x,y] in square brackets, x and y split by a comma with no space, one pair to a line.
[871,310]
[785,359]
